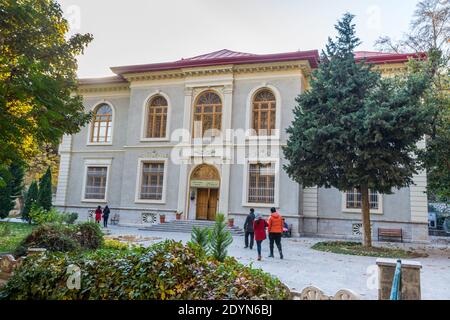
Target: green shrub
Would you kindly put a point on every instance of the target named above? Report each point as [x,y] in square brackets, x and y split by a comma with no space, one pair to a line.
[51,237]
[167,270]
[63,238]
[70,218]
[89,235]
[115,245]
[220,238]
[39,215]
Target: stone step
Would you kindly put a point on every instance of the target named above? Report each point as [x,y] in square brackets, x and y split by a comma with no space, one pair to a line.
[186,226]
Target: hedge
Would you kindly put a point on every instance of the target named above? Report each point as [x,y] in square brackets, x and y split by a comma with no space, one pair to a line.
[167,270]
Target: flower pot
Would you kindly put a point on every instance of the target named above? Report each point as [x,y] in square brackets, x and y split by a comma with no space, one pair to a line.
[179,216]
[231,222]
[162,219]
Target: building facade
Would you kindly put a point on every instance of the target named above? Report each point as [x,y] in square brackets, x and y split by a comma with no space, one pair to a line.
[204,135]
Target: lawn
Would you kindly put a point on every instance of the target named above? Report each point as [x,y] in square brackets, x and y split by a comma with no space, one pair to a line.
[11,234]
[356,249]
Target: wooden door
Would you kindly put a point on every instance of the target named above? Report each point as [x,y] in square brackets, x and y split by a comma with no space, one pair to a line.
[212,204]
[202,204]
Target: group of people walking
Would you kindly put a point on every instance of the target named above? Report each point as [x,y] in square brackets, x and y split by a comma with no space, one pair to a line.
[99,213]
[255,230]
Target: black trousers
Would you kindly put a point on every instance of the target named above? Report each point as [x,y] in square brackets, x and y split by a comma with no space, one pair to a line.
[105,222]
[274,238]
[252,239]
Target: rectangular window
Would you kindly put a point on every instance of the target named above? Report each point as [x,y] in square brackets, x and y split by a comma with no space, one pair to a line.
[261,185]
[96,183]
[152,179]
[353,200]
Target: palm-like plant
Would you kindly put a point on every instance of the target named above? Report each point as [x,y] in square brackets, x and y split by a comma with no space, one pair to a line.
[220,238]
[200,237]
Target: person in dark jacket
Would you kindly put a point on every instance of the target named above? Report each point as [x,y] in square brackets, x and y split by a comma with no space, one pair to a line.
[248,228]
[106,212]
[259,227]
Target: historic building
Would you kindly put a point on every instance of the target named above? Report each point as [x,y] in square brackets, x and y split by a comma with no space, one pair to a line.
[204,135]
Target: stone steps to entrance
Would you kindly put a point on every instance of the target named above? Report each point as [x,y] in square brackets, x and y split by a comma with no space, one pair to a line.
[186,226]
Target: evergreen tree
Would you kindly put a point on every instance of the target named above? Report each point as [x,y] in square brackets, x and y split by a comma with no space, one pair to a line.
[17,176]
[30,200]
[354,129]
[45,191]
[6,198]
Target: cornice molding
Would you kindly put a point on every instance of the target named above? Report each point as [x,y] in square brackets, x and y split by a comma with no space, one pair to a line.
[107,88]
[302,65]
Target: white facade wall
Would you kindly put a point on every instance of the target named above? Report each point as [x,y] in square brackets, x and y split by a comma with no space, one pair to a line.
[312,211]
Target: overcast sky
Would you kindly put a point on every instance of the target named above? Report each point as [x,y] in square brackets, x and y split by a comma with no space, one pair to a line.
[130,32]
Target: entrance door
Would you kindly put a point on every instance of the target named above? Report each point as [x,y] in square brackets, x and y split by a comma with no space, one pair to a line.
[207,204]
[212,204]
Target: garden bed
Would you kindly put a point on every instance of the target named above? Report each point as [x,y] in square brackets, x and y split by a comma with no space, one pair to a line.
[166,270]
[357,249]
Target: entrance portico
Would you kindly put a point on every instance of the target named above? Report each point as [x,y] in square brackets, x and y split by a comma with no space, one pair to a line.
[204,187]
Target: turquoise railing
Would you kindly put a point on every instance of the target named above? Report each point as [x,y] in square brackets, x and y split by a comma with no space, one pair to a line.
[396,283]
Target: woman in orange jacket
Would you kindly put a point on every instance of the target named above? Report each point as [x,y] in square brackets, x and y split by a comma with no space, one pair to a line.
[275,228]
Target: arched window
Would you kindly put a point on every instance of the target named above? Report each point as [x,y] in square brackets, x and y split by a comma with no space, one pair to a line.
[102,124]
[264,112]
[157,117]
[207,115]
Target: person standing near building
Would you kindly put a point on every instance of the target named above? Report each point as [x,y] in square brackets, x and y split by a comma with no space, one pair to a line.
[248,228]
[259,227]
[275,227]
[98,214]
[106,212]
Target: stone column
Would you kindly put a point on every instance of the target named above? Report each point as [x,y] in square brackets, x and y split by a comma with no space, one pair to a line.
[226,125]
[65,149]
[310,203]
[410,279]
[419,205]
[183,185]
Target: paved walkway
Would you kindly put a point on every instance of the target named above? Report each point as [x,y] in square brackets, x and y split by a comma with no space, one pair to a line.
[303,266]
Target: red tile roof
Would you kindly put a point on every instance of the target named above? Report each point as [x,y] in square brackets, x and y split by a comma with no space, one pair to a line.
[222,57]
[225,56]
[224,53]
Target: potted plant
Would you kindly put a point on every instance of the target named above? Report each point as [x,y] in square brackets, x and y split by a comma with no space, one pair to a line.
[162,218]
[178,215]
[231,222]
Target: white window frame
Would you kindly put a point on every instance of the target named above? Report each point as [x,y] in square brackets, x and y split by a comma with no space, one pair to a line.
[89,142]
[249,131]
[137,197]
[206,140]
[96,163]
[246,179]
[144,122]
[350,210]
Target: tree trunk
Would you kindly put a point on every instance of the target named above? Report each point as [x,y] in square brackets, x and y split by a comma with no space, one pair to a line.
[365,204]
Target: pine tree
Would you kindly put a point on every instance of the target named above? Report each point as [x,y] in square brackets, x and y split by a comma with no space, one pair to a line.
[6,198]
[30,200]
[45,191]
[354,129]
[17,177]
